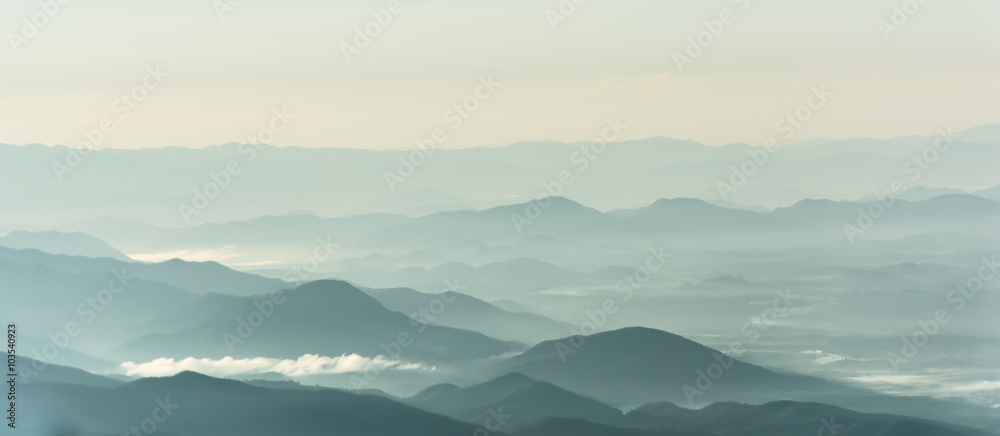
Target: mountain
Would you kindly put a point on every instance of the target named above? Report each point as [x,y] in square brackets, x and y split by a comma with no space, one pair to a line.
[324,317]
[565,237]
[193,404]
[105,307]
[944,213]
[136,184]
[275,231]
[73,244]
[987,133]
[524,399]
[508,278]
[190,403]
[32,371]
[469,313]
[556,217]
[580,427]
[694,216]
[632,366]
[205,277]
[991,193]
[637,365]
[132,235]
[921,193]
[682,210]
[785,418]
[198,277]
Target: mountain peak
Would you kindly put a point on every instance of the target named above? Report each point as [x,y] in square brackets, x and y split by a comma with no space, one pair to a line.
[338,293]
[185,380]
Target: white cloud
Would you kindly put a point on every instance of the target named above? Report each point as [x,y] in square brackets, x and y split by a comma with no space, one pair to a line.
[824,358]
[308,364]
[979,386]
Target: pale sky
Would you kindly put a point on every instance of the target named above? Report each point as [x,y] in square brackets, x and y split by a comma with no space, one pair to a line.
[609,58]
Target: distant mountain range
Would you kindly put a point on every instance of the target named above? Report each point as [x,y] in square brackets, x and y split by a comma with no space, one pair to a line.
[151,184]
[397,251]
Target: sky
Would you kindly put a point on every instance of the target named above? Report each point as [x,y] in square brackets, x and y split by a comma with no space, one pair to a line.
[225,69]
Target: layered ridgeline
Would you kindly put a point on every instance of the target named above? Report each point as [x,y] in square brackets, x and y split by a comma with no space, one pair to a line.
[152,184]
[632,366]
[325,317]
[369,248]
[178,309]
[151,319]
[190,403]
[123,311]
[74,244]
[454,309]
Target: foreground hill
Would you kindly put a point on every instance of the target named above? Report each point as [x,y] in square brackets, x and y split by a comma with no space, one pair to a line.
[524,399]
[633,366]
[193,404]
[786,418]
[638,365]
[203,405]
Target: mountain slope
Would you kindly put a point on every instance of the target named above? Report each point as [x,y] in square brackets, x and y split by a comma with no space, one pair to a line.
[203,405]
[470,313]
[325,317]
[638,365]
[198,277]
[524,399]
[72,244]
[34,371]
[785,418]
